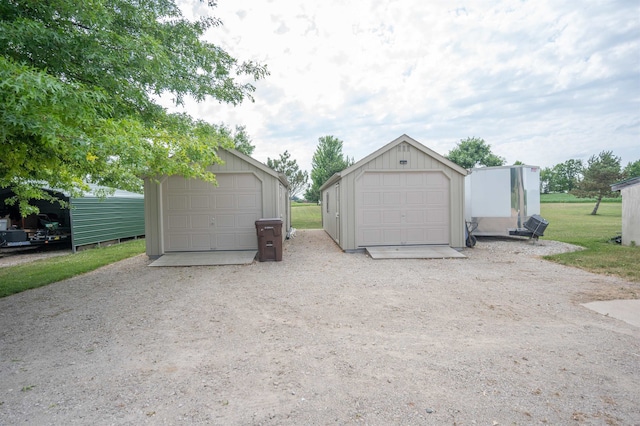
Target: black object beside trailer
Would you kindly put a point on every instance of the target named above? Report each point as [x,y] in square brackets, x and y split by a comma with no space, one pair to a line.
[534,227]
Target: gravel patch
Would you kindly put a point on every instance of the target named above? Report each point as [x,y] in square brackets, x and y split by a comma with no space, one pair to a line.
[18,257]
[324,337]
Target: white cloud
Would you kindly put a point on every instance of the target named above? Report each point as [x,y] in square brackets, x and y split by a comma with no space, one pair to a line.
[542,82]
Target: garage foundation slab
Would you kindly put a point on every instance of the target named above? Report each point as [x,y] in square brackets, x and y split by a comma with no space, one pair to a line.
[413,252]
[206,258]
[624,310]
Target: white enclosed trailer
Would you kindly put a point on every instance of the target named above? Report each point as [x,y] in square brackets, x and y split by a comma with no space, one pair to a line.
[499,200]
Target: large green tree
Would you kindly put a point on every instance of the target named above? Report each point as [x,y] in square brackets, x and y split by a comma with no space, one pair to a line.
[601,171]
[285,164]
[473,152]
[327,160]
[78,87]
[239,136]
[562,177]
[631,170]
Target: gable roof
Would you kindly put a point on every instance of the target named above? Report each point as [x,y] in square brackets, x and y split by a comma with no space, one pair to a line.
[625,183]
[404,138]
[278,175]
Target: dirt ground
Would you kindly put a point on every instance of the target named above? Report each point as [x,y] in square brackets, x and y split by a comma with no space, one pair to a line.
[324,337]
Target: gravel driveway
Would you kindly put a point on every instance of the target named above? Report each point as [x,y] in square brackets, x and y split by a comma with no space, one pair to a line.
[324,337]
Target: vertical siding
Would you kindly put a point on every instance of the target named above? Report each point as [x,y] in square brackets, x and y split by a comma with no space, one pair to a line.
[329,210]
[275,201]
[284,206]
[631,215]
[152,218]
[417,160]
[95,220]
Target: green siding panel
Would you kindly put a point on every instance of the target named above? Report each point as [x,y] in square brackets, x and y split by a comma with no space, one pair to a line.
[95,220]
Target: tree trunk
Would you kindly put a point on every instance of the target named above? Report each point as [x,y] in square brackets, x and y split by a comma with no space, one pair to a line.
[595,209]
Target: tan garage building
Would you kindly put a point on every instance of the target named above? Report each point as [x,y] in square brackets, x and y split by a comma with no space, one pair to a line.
[402,194]
[187,215]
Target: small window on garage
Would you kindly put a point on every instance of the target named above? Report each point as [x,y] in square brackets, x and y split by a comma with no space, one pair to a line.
[326,201]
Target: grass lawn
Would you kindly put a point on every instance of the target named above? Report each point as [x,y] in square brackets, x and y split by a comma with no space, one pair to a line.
[14,279]
[306,216]
[572,223]
[568,198]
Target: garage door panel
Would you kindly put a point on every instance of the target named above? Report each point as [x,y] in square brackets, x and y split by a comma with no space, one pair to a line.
[247,221]
[437,234]
[199,202]
[178,222]
[371,198]
[415,217]
[372,236]
[405,208]
[436,198]
[436,180]
[199,185]
[247,182]
[391,217]
[176,182]
[372,217]
[248,201]
[201,216]
[225,240]
[242,241]
[202,221]
[225,181]
[223,201]
[437,216]
[246,240]
[201,241]
[391,198]
[176,202]
[179,241]
[391,234]
[391,180]
[415,179]
[371,180]
[417,236]
[225,221]
[415,197]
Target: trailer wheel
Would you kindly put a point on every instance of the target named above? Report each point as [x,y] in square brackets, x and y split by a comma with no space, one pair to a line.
[471,240]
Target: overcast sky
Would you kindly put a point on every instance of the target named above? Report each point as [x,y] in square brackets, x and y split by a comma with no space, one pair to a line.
[540,81]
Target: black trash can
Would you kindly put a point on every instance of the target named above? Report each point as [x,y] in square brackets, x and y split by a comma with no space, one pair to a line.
[269,233]
[537,225]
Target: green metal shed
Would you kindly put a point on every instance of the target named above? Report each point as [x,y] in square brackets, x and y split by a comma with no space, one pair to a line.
[95,220]
[90,219]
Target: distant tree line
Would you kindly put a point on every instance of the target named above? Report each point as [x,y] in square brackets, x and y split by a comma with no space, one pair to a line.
[565,177]
[590,180]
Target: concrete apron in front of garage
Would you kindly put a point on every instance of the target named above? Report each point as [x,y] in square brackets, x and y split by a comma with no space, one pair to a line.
[206,258]
[413,252]
[624,310]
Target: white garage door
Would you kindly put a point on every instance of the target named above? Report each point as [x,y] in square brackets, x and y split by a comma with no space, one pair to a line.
[199,216]
[398,208]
